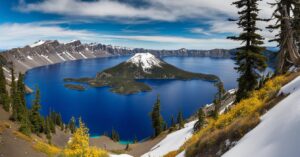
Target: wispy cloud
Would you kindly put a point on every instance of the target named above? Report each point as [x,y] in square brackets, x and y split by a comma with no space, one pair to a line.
[17,35]
[163,10]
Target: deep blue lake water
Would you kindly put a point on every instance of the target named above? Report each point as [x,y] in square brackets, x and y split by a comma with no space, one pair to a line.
[103,110]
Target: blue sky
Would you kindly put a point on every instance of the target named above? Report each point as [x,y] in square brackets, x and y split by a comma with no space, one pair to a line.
[155,24]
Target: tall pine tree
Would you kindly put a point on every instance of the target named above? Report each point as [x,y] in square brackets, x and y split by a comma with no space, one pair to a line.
[249,58]
[201,120]
[72,125]
[180,120]
[35,117]
[13,96]
[4,99]
[157,120]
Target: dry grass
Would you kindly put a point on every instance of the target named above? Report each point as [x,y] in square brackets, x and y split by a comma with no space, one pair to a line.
[234,124]
[3,126]
[22,136]
[50,150]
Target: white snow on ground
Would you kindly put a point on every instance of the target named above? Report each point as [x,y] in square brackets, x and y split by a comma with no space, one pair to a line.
[46,57]
[182,154]
[146,60]
[25,65]
[62,58]
[119,155]
[29,57]
[40,42]
[291,87]
[69,55]
[5,69]
[232,91]
[278,133]
[228,105]
[172,142]
[83,55]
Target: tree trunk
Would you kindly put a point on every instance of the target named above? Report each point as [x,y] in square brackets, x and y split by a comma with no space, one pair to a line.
[288,54]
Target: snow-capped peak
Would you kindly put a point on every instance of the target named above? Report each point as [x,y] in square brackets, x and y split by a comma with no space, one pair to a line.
[38,43]
[145,60]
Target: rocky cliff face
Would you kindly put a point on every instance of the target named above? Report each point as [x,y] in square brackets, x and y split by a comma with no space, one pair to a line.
[51,52]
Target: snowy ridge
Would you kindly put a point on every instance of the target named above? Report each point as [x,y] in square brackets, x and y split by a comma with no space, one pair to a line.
[278,133]
[145,60]
[38,43]
[172,142]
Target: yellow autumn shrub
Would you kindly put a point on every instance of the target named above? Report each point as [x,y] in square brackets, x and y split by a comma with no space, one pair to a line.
[78,146]
[50,150]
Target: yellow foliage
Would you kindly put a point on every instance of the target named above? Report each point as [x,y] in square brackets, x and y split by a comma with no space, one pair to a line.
[22,136]
[3,125]
[78,146]
[247,107]
[80,139]
[50,150]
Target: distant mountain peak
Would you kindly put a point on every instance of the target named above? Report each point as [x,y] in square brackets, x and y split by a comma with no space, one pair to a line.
[145,60]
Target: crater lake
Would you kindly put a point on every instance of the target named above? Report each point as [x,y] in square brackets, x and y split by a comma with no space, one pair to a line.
[103,110]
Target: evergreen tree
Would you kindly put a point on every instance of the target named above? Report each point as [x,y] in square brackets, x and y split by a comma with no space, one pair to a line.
[289,32]
[201,120]
[47,130]
[72,125]
[4,100]
[172,121]
[157,120]
[25,126]
[20,99]
[180,120]
[35,117]
[13,96]
[249,58]
[218,98]
[135,139]
[114,135]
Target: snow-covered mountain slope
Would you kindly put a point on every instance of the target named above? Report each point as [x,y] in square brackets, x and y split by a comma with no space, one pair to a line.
[145,60]
[278,133]
[38,43]
[172,142]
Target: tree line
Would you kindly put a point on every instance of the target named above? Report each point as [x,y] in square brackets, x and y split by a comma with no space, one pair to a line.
[158,123]
[30,119]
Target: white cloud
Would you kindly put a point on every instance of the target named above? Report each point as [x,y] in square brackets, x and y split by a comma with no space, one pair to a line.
[17,35]
[164,10]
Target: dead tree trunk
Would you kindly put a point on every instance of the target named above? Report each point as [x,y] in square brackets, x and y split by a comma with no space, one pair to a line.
[288,54]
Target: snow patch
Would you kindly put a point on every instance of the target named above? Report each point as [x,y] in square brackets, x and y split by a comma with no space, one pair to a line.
[145,60]
[38,43]
[226,107]
[291,86]
[278,133]
[232,91]
[47,58]
[182,154]
[5,69]
[69,55]
[83,55]
[29,57]
[172,142]
[62,58]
